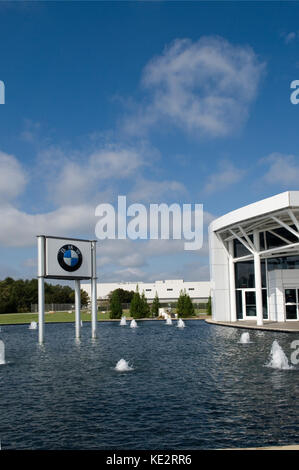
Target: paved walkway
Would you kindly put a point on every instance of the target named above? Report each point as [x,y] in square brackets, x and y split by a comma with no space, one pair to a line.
[286,327]
[291,447]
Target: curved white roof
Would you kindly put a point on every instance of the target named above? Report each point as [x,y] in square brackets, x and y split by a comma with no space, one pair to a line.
[257,209]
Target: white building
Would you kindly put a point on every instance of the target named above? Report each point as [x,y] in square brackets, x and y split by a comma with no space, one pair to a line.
[254,261]
[168,291]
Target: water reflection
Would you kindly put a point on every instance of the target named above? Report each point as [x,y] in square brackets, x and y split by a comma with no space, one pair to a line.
[196,390]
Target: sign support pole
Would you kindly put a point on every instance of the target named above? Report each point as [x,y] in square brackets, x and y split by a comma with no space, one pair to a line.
[41,288]
[94,306]
[77,308]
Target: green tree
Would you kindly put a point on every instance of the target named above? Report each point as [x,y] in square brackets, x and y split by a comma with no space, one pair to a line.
[155,305]
[145,308]
[209,306]
[136,305]
[135,310]
[7,300]
[180,304]
[125,296]
[185,307]
[115,305]
[84,298]
[189,307]
[18,295]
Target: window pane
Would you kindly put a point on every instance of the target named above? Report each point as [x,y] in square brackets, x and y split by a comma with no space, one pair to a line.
[262,241]
[286,262]
[263,272]
[274,242]
[239,304]
[291,312]
[239,249]
[250,298]
[265,306]
[290,295]
[250,304]
[244,272]
[250,311]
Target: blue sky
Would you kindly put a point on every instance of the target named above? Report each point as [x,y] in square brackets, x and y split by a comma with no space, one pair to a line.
[185,102]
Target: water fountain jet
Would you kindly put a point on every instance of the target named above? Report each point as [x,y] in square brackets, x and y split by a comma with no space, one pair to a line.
[2,352]
[33,325]
[123,366]
[133,324]
[123,321]
[278,359]
[181,323]
[168,321]
[245,338]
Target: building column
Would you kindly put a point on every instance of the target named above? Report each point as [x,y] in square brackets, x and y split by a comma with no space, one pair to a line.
[232,282]
[258,280]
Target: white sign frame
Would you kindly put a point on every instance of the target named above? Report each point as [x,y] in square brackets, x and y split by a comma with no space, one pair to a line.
[52,264]
[53,270]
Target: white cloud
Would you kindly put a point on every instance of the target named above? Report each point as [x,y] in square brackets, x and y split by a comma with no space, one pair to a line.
[201,87]
[135,255]
[19,228]
[289,37]
[127,274]
[154,191]
[227,175]
[196,271]
[283,169]
[13,178]
[9,271]
[82,178]
[30,263]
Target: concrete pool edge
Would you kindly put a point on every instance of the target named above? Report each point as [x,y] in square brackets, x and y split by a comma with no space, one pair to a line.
[284,447]
[275,326]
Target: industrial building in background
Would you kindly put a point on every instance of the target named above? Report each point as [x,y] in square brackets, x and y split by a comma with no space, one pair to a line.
[168,291]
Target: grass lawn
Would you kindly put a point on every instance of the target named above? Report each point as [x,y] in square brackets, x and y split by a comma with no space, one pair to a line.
[18,318]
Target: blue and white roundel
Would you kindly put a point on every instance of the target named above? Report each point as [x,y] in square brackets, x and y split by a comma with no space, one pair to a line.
[69,257]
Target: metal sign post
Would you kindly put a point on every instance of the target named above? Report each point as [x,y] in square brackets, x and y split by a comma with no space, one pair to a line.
[77,308]
[94,306]
[41,288]
[70,259]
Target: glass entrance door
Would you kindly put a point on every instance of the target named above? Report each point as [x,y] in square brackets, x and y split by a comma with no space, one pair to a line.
[249,304]
[291,303]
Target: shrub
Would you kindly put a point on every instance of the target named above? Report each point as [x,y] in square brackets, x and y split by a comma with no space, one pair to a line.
[185,307]
[115,305]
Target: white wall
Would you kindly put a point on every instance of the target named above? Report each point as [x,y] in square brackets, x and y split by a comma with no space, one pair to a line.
[219,279]
[166,290]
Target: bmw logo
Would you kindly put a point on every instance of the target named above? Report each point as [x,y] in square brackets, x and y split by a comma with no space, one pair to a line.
[69,257]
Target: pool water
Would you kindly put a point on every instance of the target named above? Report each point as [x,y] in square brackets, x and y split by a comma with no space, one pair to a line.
[191,388]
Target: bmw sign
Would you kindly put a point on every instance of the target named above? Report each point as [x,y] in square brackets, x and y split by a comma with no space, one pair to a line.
[69,257]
